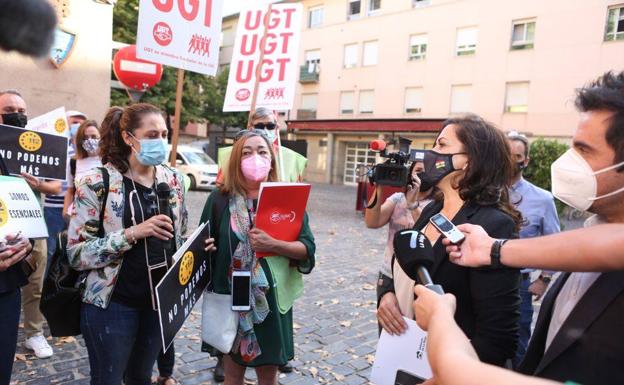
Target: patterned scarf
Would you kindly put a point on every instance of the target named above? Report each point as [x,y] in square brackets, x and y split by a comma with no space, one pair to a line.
[244,258]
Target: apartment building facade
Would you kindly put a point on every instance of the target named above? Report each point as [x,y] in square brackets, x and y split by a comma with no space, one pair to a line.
[383,62]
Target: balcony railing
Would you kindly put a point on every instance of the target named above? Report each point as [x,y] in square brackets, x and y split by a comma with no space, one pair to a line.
[309,73]
[306,114]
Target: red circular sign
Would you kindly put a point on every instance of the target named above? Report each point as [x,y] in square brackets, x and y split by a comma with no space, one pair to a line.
[242,94]
[135,73]
[162,33]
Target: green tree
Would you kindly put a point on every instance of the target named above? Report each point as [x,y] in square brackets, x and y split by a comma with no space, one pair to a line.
[543,153]
[202,98]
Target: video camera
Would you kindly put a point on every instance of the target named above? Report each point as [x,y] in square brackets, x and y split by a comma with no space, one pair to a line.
[394,171]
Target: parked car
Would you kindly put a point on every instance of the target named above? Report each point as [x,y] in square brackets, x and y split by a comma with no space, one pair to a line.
[197,166]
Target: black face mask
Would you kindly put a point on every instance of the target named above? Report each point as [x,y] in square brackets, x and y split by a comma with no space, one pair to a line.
[16,119]
[437,166]
[520,167]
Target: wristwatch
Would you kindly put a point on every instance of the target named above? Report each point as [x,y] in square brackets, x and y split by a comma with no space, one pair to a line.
[545,278]
[495,252]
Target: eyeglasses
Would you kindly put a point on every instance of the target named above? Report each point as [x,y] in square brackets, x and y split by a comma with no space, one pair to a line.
[265,126]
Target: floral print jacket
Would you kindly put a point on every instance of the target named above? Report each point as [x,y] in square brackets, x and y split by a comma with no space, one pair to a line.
[102,257]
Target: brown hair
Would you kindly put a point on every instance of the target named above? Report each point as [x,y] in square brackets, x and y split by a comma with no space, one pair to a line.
[489,172]
[233,178]
[81,153]
[113,149]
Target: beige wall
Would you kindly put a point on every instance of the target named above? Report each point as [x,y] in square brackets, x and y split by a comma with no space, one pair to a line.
[569,51]
[83,82]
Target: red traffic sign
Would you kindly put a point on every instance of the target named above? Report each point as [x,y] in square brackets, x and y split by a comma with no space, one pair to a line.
[134,73]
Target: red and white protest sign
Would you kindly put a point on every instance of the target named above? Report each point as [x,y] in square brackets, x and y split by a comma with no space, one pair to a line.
[180,33]
[278,71]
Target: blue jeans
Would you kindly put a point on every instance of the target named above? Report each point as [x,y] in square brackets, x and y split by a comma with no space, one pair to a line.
[526,318]
[10,304]
[122,342]
[54,219]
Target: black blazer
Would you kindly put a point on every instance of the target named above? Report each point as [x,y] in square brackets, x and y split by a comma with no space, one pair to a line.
[589,347]
[488,299]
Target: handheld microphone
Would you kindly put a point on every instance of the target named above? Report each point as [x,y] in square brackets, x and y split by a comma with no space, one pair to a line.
[414,253]
[377,145]
[27,26]
[163,191]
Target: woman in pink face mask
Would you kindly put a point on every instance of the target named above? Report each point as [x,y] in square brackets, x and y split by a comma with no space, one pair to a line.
[265,332]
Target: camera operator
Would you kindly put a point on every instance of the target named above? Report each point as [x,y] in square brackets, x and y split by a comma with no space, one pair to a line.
[400,211]
[471,165]
[126,258]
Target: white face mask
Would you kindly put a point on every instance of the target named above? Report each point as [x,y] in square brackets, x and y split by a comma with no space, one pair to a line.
[574,182]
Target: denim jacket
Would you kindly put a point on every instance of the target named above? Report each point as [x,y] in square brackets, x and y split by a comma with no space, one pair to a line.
[102,257]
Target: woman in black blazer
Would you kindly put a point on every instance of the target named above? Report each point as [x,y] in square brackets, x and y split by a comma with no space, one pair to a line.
[471,166]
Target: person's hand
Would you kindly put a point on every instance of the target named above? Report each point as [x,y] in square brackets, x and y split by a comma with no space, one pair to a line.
[261,241]
[209,245]
[428,303]
[389,315]
[538,288]
[411,195]
[474,251]
[13,253]
[33,182]
[159,226]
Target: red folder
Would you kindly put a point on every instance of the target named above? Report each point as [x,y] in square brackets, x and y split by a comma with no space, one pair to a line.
[281,207]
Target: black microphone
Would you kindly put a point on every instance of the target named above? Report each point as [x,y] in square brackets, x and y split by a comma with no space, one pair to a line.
[27,26]
[414,253]
[163,191]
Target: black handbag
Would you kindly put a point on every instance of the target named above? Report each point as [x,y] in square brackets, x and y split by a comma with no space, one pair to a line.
[61,296]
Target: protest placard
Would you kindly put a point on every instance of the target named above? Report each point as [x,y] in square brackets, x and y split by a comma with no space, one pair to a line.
[279,67]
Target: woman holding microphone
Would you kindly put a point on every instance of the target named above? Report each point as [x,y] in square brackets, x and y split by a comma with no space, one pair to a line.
[124,257]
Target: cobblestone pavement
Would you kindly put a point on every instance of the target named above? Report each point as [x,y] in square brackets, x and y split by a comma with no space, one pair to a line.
[335,324]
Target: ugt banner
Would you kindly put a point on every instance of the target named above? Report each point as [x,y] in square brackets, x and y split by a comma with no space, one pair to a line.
[278,70]
[39,154]
[180,33]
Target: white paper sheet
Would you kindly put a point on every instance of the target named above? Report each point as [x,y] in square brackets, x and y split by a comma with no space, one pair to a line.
[407,352]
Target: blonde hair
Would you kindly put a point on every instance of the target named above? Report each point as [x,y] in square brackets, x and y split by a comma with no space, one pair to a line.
[233,178]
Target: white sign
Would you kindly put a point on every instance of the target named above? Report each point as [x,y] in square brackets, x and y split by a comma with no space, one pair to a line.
[406,353]
[180,33]
[20,209]
[278,70]
[53,122]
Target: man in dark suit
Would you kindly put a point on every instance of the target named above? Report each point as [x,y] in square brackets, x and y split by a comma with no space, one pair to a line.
[579,335]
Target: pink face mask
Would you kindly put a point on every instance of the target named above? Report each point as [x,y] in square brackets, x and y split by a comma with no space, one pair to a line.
[255,167]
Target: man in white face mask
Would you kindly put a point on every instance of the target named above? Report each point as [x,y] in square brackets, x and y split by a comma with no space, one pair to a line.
[580,330]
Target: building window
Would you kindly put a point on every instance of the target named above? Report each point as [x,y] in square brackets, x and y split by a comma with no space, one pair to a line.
[523,35]
[307,110]
[353,10]
[413,100]
[315,17]
[227,37]
[350,55]
[346,102]
[420,3]
[374,6]
[418,47]
[615,24]
[461,99]
[313,60]
[370,53]
[466,43]
[367,101]
[517,97]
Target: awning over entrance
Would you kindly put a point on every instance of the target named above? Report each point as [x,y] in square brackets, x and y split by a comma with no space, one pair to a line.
[366,125]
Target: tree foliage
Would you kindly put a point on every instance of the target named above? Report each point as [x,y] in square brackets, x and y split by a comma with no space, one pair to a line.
[543,153]
[202,98]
